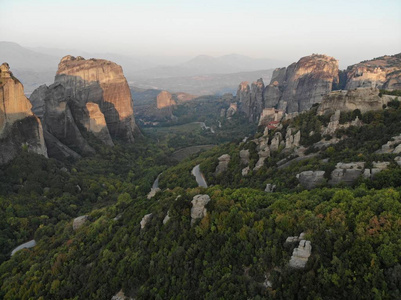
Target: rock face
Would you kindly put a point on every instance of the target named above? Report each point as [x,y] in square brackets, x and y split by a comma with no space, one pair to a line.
[381,72]
[251,99]
[224,160]
[231,110]
[79,221]
[198,210]
[346,173]
[244,155]
[311,179]
[392,146]
[19,127]
[364,99]
[165,99]
[302,84]
[301,255]
[103,82]
[88,95]
[145,220]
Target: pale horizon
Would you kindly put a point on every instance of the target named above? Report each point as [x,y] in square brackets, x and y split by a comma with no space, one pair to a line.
[350,31]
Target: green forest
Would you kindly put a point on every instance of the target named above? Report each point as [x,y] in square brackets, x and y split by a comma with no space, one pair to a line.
[238,250]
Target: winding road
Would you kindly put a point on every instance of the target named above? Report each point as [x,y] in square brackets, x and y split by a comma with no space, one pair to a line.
[200,179]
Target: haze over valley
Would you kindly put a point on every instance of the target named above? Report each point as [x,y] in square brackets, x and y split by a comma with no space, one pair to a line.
[200,149]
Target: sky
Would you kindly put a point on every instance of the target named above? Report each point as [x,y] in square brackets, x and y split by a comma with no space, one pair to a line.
[351,30]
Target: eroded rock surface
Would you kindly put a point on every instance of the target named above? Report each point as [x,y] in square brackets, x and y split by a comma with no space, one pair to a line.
[198,210]
[145,220]
[300,255]
[19,127]
[311,179]
[381,72]
[224,160]
[302,84]
[79,221]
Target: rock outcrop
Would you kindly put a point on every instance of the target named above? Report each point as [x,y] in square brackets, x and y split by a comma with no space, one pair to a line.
[311,179]
[364,99]
[102,82]
[87,96]
[231,110]
[300,255]
[79,221]
[302,84]
[19,127]
[251,99]
[164,99]
[347,173]
[198,210]
[145,220]
[381,72]
[224,160]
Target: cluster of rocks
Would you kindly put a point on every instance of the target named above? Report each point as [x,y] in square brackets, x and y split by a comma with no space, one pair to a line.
[346,173]
[121,296]
[392,146]
[291,142]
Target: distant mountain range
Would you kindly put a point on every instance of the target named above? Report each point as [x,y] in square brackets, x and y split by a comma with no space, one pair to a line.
[37,66]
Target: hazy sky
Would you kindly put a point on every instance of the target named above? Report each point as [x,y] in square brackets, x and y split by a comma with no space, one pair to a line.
[350,30]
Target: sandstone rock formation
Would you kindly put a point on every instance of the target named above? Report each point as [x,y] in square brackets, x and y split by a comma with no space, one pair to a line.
[301,255]
[364,99]
[302,84]
[311,179]
[346,173]
[79,221]
[19,127]
[224,160]
[244,155]
[251,99]
[392,146]
[164,99]
[166,218]
[381,72]
[87,96]
[145,220]
[231,110]
[292,140]
[276,141]
[103,82]
[198,210]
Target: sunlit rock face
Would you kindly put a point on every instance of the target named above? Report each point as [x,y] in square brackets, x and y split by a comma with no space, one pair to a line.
[165,99]
[302,84]
[381,72]
[88,96]
[19,127]
[101,82]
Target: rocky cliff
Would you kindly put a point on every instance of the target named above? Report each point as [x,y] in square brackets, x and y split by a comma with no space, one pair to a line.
[102,82]
[302,84]
[251,99]
[19,127]
[364,99]
[381,72]
[87,96]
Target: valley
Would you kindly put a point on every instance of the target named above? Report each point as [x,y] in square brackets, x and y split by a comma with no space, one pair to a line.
[287,188]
